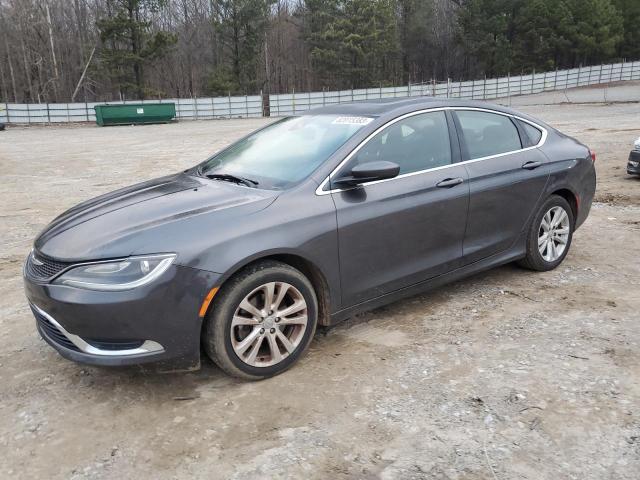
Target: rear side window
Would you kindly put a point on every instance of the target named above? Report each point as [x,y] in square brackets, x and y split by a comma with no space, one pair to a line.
[487,134]
[532,132]
[418,142]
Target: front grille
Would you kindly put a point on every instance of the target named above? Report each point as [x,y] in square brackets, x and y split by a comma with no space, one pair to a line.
[51,331]
[42,268]
[115,345]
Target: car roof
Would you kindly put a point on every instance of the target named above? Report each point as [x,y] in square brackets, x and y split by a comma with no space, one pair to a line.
[399,106]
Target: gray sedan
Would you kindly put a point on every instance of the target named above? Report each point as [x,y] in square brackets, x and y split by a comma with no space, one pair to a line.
[305,222]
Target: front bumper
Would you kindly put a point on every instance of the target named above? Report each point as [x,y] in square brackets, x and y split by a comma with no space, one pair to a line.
[633,165]
[156,323]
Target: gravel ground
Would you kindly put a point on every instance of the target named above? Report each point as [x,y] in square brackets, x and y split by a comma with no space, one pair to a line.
[506,375]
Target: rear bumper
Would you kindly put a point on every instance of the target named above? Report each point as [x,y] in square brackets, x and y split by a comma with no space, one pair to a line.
[157,323]
[585,188]
[633,165]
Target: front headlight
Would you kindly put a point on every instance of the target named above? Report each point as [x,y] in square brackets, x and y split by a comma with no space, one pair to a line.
[117,275]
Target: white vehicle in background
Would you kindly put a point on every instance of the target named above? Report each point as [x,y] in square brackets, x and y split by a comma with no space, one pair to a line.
[633,166]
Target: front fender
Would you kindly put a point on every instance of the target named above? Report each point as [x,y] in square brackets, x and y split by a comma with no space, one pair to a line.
[299,224]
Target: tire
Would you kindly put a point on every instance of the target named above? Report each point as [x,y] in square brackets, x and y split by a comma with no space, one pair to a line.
[228,324]
[535,259]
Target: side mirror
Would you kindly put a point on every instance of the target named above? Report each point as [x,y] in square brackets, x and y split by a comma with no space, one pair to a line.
[368,172]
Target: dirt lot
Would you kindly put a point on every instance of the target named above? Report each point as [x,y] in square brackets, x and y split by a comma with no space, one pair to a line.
[507,375]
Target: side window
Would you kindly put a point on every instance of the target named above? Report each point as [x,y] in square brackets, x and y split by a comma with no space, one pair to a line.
[532,132]
[416,143]
[488,134]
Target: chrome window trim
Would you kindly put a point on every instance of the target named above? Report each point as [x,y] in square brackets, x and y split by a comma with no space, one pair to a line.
[543,139]
[149,346]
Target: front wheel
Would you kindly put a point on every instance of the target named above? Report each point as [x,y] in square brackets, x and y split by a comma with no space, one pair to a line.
[550,235]
[262,321]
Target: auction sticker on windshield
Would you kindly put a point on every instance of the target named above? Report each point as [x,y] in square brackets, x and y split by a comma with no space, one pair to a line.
[352,120]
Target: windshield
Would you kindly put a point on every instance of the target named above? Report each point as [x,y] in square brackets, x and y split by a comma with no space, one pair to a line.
[286,151]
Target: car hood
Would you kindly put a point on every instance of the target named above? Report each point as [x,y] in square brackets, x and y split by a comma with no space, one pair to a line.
[150,217]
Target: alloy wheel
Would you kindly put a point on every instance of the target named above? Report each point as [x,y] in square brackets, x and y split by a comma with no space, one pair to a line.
[553,234]
[269,324]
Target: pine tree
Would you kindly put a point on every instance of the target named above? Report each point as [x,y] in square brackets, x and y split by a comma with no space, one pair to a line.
[240,27]
[487,30]
[543,31]
[415,27]
[629,10]
[128,44]
[597,30]
[353,43]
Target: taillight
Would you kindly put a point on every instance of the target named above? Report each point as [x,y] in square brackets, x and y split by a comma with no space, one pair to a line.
[593,155]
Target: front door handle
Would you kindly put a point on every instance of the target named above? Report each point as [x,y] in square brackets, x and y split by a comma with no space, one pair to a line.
[449,182]
[531,165]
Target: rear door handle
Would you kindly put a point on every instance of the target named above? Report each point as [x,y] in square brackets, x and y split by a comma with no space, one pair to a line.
[449,182]
[531,165]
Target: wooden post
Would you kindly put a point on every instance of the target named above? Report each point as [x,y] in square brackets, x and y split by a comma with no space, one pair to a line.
[621,68]
[520,83]
[533,77]
[600,75]
[579,72]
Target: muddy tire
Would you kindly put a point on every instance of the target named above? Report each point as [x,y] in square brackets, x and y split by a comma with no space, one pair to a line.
[261,321]
[550,235]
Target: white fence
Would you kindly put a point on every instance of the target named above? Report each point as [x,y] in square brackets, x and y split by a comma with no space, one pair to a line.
[186,109]
[289,104]
[485,89]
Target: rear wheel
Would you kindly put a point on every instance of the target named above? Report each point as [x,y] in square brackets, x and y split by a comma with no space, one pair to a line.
[262,321]
[550,235]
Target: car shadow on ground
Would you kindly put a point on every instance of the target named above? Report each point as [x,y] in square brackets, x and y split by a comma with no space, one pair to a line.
[184,386]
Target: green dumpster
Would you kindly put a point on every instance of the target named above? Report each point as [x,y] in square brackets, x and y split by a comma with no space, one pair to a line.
[134,113]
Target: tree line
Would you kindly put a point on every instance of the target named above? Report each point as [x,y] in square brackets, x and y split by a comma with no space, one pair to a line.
[87,50]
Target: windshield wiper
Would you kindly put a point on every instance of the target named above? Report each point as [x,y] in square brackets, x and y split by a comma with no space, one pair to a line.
[232,178]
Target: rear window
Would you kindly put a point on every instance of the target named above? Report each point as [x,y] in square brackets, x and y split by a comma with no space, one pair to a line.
[532,132]
[487,134]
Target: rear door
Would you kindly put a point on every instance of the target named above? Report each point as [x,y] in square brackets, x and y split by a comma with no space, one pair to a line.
[397,232]
[507,176]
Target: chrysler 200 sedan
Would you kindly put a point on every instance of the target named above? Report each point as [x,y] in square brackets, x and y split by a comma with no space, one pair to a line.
[303,223]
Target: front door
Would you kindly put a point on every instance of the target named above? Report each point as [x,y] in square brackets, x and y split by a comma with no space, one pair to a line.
[397,232]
